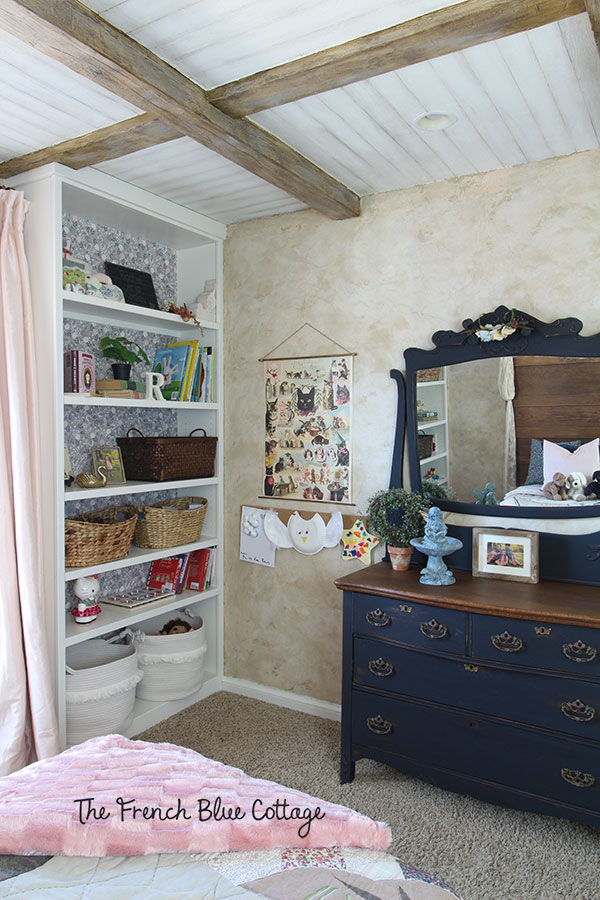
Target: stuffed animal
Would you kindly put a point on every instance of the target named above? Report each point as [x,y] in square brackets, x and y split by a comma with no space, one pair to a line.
[592,490]
[176,626]
[576,482]
[557,488]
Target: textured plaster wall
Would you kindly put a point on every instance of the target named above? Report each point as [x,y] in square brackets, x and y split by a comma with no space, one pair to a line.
[476,413]
[417,260]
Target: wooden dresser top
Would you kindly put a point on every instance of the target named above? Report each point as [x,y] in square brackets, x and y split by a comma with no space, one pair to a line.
[550,601]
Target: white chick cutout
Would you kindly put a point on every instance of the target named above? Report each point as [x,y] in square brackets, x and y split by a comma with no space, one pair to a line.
[307,536]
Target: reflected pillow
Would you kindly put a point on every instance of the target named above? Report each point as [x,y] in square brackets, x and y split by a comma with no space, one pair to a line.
[535,473]
[584,459]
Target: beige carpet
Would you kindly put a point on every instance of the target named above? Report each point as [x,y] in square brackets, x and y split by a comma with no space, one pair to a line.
[484,852]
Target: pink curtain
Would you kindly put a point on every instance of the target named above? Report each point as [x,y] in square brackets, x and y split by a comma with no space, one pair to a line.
[28,729]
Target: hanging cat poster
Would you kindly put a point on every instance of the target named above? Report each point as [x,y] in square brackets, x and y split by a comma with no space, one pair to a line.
[308,417]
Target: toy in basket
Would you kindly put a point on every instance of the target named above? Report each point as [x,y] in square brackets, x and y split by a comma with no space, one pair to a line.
[170,652]
[171,522]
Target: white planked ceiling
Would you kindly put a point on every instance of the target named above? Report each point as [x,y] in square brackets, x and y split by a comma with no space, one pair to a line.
[192,175]
[42,102]
[523,98]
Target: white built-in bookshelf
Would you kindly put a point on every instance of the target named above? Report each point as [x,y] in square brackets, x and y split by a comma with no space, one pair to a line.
[54,190]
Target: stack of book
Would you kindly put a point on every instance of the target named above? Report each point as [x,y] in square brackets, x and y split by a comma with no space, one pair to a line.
[124,390]
[184,572]
[188,369]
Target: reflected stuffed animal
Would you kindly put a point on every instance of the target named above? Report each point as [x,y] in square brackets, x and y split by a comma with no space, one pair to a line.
[557,488]
[592,490]
[576,484]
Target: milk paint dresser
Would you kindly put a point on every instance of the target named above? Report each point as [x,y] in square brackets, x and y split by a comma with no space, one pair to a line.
[486,687]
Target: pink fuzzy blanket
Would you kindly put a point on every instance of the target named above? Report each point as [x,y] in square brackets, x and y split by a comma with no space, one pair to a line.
[114,797]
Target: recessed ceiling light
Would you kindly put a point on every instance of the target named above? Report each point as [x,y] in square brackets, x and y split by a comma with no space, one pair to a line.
[434,121]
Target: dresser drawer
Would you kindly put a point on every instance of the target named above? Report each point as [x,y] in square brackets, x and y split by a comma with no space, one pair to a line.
[546,766]
[411,623]
[561,704]
[566,648]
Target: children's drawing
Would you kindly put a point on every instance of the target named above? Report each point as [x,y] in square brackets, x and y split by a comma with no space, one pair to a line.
[308,416]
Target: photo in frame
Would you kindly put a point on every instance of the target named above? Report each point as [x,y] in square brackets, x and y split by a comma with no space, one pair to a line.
[512,555]
[112,462]
[308,419]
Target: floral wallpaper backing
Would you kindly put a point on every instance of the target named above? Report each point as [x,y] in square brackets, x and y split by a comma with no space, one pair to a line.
[97,244]
[87,427]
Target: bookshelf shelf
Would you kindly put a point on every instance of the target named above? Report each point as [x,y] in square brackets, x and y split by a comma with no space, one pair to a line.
[82,306]
[175,405]
[137,556]
[193,244]
[136,487]
[114,617]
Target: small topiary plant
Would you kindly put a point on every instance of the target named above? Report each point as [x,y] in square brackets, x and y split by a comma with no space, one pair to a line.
[409,523]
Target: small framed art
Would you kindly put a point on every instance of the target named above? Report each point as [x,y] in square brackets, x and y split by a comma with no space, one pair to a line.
[512,555]
[112,463]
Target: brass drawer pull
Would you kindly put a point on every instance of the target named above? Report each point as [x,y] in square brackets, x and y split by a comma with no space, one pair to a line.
[379,725]
[578,779]
[404,608]
[470,667]
[578,711]
[380,667]
[543,629]
[580,652]
[433,629]
[378,618]
[507,642]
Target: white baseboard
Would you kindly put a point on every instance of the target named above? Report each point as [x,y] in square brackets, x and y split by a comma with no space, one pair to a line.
[282,698]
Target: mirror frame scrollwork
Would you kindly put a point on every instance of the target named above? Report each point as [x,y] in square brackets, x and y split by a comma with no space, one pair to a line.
[523,335]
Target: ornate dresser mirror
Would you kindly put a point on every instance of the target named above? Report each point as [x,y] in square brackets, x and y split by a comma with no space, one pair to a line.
[478,407]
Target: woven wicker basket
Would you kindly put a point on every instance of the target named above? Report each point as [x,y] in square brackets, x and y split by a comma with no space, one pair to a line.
[425,375]
[425,445]
[159,527]
[168,458]
[100,535]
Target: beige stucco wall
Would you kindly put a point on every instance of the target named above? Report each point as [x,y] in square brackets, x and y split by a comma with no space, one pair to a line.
[476,415]
[416,261]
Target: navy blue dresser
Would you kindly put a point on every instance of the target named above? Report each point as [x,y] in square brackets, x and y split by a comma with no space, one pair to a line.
[485,687]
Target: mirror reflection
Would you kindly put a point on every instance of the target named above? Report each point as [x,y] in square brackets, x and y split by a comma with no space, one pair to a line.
[514,423]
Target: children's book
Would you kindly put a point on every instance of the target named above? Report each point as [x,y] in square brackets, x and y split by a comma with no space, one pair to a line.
[197,570]
[171,362]
[164,574]
[190,366]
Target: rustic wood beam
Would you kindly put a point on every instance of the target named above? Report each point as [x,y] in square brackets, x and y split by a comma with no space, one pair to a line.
[435,34]
[593,11]
[90,149]
[71,33]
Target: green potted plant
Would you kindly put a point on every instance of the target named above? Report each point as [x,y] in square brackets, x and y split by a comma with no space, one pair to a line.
[124,352]
[407,523]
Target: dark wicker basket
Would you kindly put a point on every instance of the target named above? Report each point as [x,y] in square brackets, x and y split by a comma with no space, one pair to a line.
[168,458]
[99,536]
[425,444]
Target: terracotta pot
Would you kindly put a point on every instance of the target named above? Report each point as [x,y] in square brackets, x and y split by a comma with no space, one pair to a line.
[400,558]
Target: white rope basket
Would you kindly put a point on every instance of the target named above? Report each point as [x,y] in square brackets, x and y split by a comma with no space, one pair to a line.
[100,688]
[173,664]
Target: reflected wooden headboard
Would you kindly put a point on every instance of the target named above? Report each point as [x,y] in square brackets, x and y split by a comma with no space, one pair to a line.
[555,398]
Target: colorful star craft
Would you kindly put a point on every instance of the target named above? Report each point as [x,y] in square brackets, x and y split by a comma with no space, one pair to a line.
[357,543]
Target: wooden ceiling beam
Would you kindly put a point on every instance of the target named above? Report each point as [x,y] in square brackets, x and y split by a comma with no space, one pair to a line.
[593,11]
[444,31]
[71,33]
[90,149]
